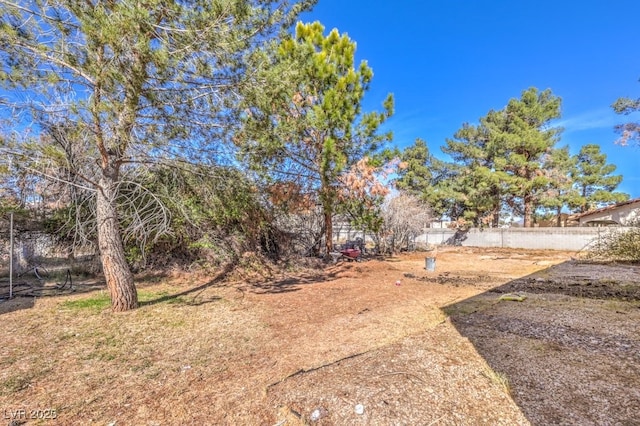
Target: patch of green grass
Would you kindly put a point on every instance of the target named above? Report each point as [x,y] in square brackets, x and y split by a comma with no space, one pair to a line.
[95,303]
[145,296]
[102,300]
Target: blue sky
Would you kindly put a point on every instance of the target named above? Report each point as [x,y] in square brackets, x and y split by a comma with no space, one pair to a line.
[450,61]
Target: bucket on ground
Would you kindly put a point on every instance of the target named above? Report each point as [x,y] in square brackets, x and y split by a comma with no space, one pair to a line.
[430,263]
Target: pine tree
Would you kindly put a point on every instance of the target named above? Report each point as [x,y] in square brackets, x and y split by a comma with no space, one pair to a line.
[559,168]
[594,181]
[424,176]
[475,184]
[308,127]
[139,82]
[519,138]
[629,132]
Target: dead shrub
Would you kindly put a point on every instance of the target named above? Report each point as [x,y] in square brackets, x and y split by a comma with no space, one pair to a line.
[617,244]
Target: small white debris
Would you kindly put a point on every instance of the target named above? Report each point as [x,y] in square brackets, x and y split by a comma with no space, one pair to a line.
[186,368]
[315,416]
[359,409]
[318,413]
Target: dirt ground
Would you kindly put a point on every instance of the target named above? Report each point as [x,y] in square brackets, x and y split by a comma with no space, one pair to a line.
[372,342]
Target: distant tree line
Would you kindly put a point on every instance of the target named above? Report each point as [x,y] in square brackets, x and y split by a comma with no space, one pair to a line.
[509,165]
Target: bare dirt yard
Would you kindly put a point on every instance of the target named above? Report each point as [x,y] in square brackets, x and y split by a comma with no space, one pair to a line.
[378,342]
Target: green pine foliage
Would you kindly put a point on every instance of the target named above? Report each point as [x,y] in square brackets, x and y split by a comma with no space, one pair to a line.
[477,184]
[426,177]
[304,125]
[560,194]
[630,131]
[216,215]
[520,137]
[509,163]
[594,181]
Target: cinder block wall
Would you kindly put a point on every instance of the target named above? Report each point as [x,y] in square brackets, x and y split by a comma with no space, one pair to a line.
[526,238]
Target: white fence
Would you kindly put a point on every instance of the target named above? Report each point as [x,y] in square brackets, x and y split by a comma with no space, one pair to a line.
[574,239]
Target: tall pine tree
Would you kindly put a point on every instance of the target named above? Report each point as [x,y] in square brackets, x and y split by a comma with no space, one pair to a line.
[476,183]
[594,181]
[424,176]
[519,137]
[307,127]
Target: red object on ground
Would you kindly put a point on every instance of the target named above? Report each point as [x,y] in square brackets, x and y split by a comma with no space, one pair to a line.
[352,253]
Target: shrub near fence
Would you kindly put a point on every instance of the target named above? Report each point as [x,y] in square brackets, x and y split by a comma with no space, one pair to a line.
[619,244]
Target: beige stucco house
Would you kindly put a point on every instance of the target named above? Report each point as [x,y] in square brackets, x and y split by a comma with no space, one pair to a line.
[621,214]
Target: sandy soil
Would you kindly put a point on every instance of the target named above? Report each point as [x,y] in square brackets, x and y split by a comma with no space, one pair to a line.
[372,342]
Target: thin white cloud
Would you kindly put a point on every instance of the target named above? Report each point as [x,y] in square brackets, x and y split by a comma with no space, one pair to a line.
[595,119]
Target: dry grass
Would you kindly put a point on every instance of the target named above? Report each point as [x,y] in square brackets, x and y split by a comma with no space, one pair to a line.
[498,378]
[271,352]
[109,362]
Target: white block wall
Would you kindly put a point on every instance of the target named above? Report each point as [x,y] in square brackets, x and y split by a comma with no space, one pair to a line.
[525,238]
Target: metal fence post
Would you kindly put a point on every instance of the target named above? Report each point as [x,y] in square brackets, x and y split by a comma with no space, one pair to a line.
[11,255]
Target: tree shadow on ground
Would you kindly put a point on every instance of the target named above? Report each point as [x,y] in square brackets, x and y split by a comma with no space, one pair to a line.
[570,352]
[195,292]
[25,291]
[289,284]
[272,286]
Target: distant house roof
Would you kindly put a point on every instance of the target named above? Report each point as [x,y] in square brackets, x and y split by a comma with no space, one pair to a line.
[606,209]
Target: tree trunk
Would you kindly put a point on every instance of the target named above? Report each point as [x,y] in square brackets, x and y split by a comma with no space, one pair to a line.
[559,217]
[114,264]
[326,199]
[496,211]
[527,212]
[328,226]
[495,217]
